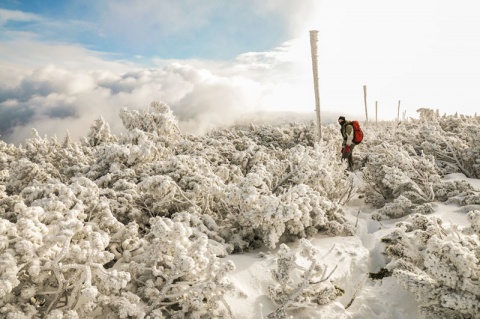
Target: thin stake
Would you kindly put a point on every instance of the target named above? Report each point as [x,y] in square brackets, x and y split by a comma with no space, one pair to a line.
[398,111]
[313,46]
[365,100]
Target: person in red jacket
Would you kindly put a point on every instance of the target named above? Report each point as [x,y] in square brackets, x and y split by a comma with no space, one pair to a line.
[347,145]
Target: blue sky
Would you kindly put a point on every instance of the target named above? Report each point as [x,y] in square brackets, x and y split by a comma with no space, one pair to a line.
[187,29]
[64,63]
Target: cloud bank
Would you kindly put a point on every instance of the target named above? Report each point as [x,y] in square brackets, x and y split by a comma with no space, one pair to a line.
[55,99]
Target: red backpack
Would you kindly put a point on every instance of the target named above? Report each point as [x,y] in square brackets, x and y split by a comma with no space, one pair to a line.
[357,132]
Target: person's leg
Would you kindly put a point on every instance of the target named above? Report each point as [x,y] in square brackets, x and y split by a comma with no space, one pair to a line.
[350,157]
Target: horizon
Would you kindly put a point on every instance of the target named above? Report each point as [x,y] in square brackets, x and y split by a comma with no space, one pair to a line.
[65,63]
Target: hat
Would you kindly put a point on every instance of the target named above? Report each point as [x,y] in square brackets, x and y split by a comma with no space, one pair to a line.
[342,118]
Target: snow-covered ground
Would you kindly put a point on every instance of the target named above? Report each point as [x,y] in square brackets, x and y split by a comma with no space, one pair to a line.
[254,222]
[354,258]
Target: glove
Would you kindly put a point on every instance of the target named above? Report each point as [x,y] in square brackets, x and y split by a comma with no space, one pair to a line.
[345,151]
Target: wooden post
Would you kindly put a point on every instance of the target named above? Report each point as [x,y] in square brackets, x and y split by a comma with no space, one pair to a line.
[376,112]
[398,111]
[313,47]
[365,100]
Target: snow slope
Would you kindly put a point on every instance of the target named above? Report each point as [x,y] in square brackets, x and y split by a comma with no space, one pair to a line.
[355,258]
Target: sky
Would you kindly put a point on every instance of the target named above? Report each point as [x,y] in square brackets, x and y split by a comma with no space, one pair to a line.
[65,63]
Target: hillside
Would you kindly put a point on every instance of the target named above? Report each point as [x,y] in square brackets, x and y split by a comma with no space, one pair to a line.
[252,221]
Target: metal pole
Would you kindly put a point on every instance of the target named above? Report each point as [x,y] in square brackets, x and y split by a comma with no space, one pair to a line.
[365,100]
[313,46]
[376,112]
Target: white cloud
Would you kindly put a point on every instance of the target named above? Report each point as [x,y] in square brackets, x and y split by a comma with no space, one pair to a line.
[298,15]
[55,99]
[27,54]
[399,51]
[15,15]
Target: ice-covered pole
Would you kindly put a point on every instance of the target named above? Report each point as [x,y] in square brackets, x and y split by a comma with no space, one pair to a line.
[313,46]
[365,101]
[398,111]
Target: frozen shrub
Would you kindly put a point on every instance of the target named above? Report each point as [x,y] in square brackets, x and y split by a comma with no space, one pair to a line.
[454,143]
[401,206]
[160,121]
[392,171]
[132,226]
[440,265]
[24,173]
[474,219]
[453,189]
[298,286]
[62,261]
[300,211]
[100,133]
[178,275]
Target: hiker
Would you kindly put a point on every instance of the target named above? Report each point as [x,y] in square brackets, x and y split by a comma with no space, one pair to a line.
[348,145]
